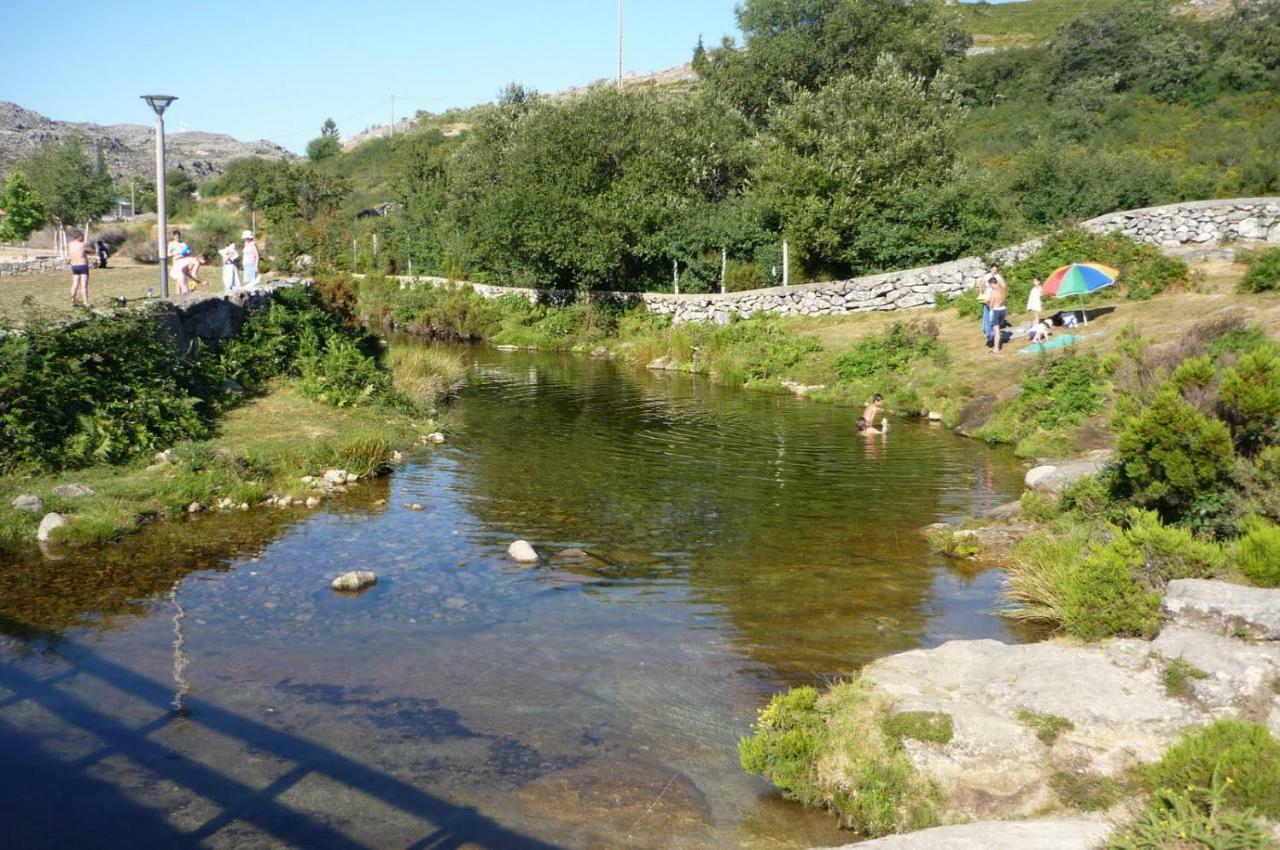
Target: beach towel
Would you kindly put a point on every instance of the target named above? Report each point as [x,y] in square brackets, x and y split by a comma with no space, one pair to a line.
[1056,342]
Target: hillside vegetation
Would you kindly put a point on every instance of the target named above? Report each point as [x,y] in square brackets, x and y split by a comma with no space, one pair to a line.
[861,133]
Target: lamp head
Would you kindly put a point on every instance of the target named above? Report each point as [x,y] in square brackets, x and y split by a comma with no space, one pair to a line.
[159,102]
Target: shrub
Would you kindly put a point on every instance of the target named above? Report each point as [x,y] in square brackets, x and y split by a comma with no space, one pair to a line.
[1056,392]
[1250,394]
[1258,552]
[1163,553]
[1241,758]
[339,373]
[1174,820]
[1174,459]
[1144,270]
[212,228]
[834,751]
[892,351]
[1264,272]
[1102,599]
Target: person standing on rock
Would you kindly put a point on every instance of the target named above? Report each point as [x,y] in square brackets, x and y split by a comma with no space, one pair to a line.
[249,257]
[78,253]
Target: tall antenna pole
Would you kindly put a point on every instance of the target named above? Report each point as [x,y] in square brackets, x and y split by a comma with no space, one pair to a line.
[619,45]
[393,116]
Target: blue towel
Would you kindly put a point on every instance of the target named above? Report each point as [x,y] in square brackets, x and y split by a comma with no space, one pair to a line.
[1056,342]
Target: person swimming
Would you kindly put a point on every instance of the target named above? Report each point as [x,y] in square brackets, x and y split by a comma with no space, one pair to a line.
[876,405]
[865,428]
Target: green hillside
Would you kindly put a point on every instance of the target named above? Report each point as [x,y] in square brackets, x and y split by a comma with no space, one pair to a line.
[1024,23]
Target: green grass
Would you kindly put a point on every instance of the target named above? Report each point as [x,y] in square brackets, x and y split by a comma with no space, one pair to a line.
[935,727]
[1178,675]
[1023,23]
[1046,726]
[51,291]
[1241,759]
[1086,791]
[263,448]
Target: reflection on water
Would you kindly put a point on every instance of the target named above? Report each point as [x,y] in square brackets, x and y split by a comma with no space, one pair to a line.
[701,548]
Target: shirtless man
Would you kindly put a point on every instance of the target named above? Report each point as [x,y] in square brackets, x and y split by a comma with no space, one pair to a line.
[876,405]
[998,302]
[187,269]
[78,251]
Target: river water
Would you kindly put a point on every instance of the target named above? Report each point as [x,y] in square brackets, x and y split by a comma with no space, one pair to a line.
[702,547]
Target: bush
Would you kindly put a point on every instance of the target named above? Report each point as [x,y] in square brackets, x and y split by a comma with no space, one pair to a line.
[1101,598]
[1250,395]
[1241,758]
[1056,392]
[1264,271]
[1174,820]
[892,351]
[1258,552]
[1163,553]
[835,751]
[339,373]
[1174,459]
[212,228]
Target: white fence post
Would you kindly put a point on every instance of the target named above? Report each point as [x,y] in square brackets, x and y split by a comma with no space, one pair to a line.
[786,263]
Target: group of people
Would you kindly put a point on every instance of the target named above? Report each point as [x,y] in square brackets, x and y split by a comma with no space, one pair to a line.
[993,292]
[239,267]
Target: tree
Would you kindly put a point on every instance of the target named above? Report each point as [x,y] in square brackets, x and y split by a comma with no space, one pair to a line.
[74,191]
[327,144]
[23,209]
[801,45]
[845,169]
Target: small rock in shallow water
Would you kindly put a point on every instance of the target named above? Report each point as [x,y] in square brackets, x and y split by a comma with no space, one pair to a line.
[355,580]
[244,506]
[521,552]
[195,508]
[414,506]
[72,491]
[435,438]
[313,502]
[50,522]
[335,476]
[30,504]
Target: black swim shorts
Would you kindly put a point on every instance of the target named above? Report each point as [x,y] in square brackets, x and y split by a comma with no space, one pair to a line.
[84,269]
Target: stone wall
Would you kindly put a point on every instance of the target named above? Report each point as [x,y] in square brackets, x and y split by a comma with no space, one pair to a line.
[13,267]
[208,317]
[1197,223]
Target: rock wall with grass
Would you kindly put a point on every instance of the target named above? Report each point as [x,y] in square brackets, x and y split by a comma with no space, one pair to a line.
[13,267]
[1194,223]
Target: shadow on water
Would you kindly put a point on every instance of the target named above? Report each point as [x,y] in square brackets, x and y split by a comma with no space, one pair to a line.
[56,802]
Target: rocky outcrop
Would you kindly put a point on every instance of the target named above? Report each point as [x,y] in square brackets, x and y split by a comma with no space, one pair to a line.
[997,835]
[129,149]
[1019,727]
[1057,476]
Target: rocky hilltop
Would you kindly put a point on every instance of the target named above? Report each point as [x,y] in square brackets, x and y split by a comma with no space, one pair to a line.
[129,148]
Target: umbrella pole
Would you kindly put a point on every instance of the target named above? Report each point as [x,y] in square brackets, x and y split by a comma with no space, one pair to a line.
[1083,313]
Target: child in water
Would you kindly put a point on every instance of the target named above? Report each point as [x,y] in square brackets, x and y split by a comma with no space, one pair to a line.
[865,428]
[876,405]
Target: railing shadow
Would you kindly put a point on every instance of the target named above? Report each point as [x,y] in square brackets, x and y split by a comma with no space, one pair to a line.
[60,804]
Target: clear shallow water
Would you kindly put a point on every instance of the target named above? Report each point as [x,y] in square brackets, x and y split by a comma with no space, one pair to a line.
[702,548]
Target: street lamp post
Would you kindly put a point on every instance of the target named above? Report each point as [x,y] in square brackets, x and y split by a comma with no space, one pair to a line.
[159,103]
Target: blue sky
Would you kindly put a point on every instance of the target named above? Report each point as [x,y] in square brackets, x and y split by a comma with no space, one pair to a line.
[273,69]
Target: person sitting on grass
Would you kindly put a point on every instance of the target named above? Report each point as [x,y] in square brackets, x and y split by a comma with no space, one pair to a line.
[1041,330]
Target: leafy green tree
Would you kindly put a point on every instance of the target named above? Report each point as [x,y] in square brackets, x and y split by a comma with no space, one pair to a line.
[842,167]
[802,45]
[23,209]
[74,190]
[1250,394]
[325,145]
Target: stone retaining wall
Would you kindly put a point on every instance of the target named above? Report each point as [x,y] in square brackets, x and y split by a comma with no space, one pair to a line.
[1197,223]
[209,317]
[10,267]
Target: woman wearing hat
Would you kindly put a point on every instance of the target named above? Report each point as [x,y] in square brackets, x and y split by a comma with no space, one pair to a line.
[249,258]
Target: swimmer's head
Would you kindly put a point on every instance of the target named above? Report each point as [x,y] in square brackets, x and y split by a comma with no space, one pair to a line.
[862,424]
[877,398]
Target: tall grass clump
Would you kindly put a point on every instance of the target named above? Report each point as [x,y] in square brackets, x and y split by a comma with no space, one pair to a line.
[841,751]
[1258,552]
[425,374]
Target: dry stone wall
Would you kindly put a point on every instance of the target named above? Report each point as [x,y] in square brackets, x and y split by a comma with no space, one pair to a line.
[1197,223]
[36,265]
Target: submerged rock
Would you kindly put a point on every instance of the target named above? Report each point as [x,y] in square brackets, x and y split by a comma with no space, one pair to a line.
[48,524]
[629,793]
[521,552]
[355,581]
[72,491]
[997,835]
[30,504]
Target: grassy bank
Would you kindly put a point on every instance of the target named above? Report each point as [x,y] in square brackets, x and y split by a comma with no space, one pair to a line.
[106,404]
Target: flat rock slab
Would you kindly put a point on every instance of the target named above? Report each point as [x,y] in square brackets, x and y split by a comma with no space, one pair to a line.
[1228,609]
[1056,477]
[997,835]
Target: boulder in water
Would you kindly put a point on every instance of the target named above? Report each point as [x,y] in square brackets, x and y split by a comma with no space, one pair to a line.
[521,552]
[48,524]
[355,581]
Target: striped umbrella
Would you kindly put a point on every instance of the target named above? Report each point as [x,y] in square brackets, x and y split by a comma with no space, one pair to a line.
[1079,279]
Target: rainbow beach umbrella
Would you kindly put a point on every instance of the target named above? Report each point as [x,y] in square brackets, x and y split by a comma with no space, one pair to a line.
[1079,279]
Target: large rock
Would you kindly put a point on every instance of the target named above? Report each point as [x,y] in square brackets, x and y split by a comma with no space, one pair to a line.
[30,504]
[1056,477]
[997,835]
[1228,609]
[72,491]
[521,552]
[355,581]
[49,524]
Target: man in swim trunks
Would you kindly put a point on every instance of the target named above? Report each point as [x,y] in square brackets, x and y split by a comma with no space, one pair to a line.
[999,301]
[876,405]
[78,252]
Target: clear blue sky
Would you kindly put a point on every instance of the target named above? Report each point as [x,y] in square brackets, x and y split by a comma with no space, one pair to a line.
[275,69]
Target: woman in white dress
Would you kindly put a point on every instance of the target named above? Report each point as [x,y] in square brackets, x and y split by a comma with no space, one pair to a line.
[1034,299]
